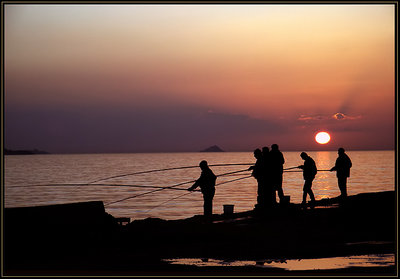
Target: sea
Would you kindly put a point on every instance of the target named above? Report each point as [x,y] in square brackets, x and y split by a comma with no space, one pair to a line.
[33,180]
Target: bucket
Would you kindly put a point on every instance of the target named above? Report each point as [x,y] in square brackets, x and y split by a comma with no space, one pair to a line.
[228,209]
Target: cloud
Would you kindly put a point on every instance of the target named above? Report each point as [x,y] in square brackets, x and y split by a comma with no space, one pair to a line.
[339,116]
[342,116]
[312,117]
[319,117]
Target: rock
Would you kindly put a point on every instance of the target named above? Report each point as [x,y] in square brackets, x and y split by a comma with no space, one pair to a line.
[213,148]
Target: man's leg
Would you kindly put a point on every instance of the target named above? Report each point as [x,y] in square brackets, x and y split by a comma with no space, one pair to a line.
[260,194]
[279,188]
[306,190]
[310,191]
[208,198]
[342,181]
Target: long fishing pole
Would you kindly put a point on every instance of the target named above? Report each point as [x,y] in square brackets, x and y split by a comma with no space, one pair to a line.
[237,174]
[177,197]
[166,169]
[302,171]
[174,198]
[233,180]
[101,185]
[149,192]
[290,168]
[169,187]
[233,172]
[115,185]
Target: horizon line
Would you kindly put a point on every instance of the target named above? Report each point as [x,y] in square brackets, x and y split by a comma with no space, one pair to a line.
[166,152]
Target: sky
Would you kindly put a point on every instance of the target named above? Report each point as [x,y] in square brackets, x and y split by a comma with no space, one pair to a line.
[180,78]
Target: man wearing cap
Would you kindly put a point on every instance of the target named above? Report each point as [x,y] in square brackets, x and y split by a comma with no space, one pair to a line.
[206,182]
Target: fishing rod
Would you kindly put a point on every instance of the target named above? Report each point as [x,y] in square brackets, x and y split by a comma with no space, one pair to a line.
[233,172]
[121,185]
[302,171]
[237,174]
[149,192]
[169,187]
[110,185]
[166,169]
[174,198]
[290,168]
[233,180]
[177,197]
[101,185]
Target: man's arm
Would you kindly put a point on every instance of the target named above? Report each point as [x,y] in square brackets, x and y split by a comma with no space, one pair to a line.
[194,186]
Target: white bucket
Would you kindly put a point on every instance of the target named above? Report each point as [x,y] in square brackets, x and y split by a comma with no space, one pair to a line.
[228,208]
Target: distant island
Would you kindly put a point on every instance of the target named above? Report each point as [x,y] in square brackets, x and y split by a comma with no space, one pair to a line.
[213,148]
[23,152]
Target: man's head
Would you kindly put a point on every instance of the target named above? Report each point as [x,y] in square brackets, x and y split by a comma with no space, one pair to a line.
[303,155]
[274,147]
[203,165]
[340,151]
[257,153]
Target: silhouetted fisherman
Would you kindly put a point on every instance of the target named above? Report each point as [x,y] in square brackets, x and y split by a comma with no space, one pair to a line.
[309,171]
[276,166]
[342,168]
[269,194]
[258,173]
[206,182]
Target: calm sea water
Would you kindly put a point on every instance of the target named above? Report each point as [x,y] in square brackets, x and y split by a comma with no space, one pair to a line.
[372,171]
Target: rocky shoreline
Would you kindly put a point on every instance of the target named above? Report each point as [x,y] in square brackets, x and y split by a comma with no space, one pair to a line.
[82,239]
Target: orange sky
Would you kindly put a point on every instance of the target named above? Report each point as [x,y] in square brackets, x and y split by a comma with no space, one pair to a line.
[291,65]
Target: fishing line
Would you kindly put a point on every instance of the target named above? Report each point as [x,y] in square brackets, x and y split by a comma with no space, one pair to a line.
[157,170]
[158,188]
[237,174]
[290,168]
[177,197]
[174,198]
[233,180]
[169,187]
[149,192]
[233,172]
[101,185]
[302,171]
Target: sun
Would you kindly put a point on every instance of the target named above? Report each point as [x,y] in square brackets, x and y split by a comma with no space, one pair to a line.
[322,137]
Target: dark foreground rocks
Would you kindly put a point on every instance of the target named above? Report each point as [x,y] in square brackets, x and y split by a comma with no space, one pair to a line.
[82,239]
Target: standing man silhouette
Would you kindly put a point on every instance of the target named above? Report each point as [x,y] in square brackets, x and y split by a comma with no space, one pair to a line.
[342,168]
[206,182]
[269,192]
[276,161]
[259,173]
[309,172]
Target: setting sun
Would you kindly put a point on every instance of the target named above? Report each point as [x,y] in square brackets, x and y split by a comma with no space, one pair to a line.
[322,138]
